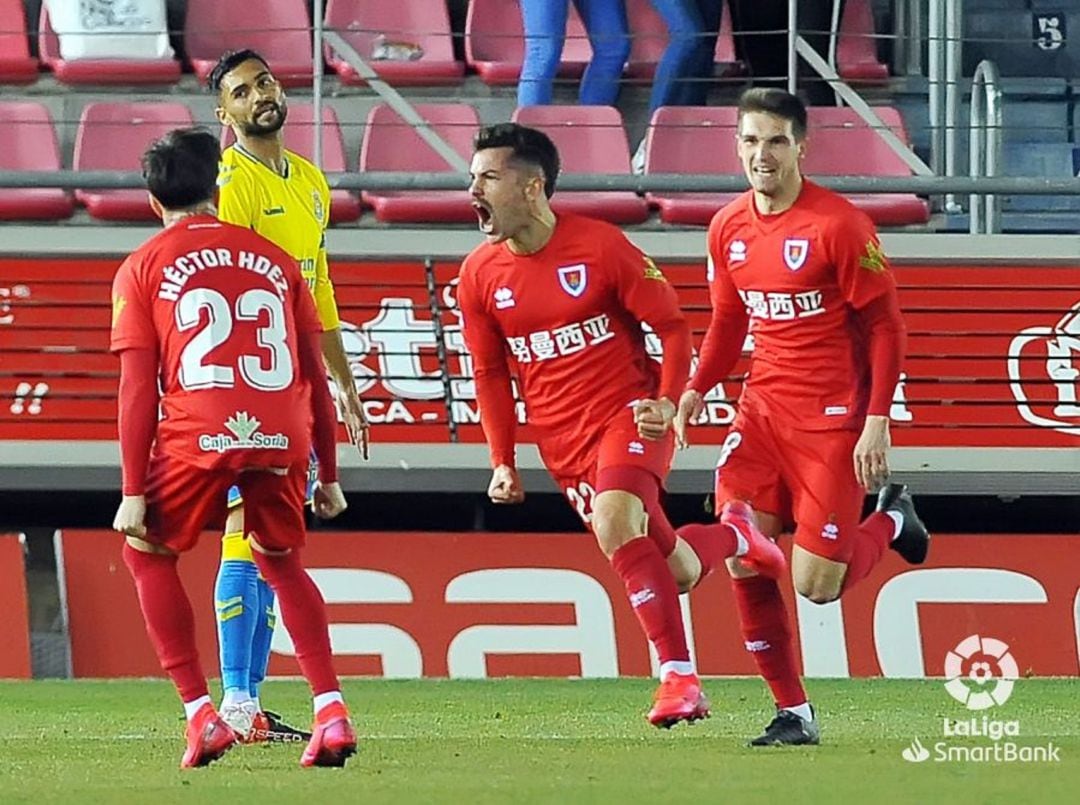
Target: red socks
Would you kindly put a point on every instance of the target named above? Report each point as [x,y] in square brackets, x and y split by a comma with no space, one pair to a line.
[304,613]
[653,595]
[712,543]
[169,619]
[764,621]
[874,535]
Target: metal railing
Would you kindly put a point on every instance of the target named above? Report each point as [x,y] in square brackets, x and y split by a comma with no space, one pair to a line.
[985,146]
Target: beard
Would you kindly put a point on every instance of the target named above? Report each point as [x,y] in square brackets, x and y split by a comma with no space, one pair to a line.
[253,128]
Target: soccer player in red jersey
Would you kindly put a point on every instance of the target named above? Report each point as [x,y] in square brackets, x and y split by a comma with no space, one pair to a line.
[558,304]
[221,318]
[802,270]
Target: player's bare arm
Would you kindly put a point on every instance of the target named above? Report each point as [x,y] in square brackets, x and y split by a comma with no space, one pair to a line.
[871,455]
[348,399]
[505,486]
[691,404]
[654,418]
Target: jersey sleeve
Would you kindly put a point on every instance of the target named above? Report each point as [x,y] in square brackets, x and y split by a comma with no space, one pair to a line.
[132,322]
[722,345]
[306,316]
[325,301]
[862,269]
[645,292]
[491,371]
[237,201]
[866,281]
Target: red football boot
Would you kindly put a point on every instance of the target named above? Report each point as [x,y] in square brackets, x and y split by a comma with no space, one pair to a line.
[208,738]
[764,556]
[679,698]
[333,738]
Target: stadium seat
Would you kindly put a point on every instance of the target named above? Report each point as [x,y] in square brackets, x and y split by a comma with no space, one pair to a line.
[590,139]
[17,66]
[300,137]
[856,45]
[373,27]
[391,144]
[113,136]
[650,38]
[28,142]
[280,31]
[695,140]
[110,71]
[841,143]
[495,42]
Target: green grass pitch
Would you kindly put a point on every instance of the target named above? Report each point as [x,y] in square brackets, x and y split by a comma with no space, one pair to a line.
[524,741]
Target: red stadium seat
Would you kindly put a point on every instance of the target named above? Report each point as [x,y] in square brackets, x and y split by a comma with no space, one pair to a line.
[369,25]
[695,140]
[300,137]
[391,144]
[590,139]
[856,47]
[650,38]
[841,143]
[495,42]
[113,136]
[28,142]
[17,66]
[280,31]
[101,71]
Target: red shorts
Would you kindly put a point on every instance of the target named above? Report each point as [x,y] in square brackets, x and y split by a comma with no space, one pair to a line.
[806,478]
[183,500]
[617,444]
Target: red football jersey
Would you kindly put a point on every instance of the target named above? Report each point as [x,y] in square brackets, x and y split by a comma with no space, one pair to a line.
[798,276]
[222,307]
[566,322]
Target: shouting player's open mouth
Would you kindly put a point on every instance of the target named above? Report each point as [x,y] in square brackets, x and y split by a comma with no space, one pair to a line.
[484,216]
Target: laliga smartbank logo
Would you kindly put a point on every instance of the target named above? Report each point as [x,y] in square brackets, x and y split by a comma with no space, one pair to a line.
[981,673]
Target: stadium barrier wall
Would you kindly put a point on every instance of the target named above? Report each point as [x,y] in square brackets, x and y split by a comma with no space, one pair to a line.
[14,604]
[478,605]
[992,355]
[988,403]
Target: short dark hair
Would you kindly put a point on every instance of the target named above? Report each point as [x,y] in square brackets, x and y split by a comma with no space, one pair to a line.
[775,102]
[528,146]
[181,168]
[228,62]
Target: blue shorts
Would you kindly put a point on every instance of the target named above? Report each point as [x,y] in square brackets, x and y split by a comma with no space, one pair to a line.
[235,498]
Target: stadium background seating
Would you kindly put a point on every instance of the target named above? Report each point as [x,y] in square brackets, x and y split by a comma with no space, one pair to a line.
[470,53]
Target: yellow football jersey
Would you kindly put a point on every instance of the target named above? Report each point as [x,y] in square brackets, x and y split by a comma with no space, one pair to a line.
[290,210]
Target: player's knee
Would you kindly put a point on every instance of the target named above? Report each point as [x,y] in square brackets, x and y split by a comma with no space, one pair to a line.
[817,591]
[612,525]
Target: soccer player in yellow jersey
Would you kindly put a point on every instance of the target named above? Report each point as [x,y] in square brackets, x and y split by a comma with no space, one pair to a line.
[286,199]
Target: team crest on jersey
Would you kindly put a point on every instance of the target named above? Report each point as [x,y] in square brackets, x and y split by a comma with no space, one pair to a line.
[795,252]
[316,205]
[573,279]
